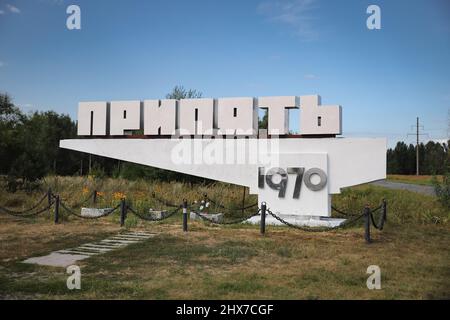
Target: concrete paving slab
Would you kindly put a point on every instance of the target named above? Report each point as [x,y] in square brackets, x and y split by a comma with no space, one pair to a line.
[67,257]
[78,252]
[83,248]
[56,259]
[132,236]
[125,239]
[100,245]
[114,242]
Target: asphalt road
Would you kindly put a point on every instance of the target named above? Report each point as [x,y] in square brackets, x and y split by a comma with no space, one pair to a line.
[428,190]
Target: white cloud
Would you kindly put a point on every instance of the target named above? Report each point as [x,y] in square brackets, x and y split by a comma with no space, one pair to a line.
[2,12]
[296,14]
[2,64]
[13,9]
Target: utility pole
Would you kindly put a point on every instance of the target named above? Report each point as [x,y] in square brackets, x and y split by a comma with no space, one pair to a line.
[417,147]
[417,134]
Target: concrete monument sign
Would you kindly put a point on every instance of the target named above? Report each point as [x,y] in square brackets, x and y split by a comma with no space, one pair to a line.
[219,139]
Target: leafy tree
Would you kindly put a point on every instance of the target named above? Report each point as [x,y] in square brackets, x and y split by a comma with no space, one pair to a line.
[11,118]
[263,123]
[179,92]
[40,154]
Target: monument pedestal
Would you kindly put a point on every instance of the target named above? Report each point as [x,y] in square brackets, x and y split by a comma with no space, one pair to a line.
[303,221]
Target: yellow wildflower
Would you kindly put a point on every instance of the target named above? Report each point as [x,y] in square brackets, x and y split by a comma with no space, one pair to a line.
[119,195]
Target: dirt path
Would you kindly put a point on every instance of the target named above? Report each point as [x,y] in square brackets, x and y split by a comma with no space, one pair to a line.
[427,190]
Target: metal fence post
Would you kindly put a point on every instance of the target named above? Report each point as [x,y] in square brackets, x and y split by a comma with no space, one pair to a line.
[123,212]
[49,199]
[205,199]
[56,209]
[185,226]
[263,218]
[367,224]
[382,216]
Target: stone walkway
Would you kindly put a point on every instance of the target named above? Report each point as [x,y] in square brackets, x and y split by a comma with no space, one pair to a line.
[67,257]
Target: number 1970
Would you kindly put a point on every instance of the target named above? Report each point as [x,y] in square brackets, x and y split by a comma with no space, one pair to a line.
[301,175]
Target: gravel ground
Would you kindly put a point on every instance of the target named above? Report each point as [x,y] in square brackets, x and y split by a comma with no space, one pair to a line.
[428,190]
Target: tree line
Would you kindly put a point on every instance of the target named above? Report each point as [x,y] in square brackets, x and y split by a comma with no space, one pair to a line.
[434,158]
[29,150]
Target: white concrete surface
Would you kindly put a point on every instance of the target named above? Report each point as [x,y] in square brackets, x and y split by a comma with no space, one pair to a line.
[278,113]
[100,119]
[350,161]
[205,112]
[216,217]
[308,221]
[237,116]
[213,114]
[316,119]
[56,259]
[93,212]
[310,202]
[160,115]
[125,116]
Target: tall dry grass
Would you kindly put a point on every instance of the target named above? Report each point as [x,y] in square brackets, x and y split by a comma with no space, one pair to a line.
[403,206]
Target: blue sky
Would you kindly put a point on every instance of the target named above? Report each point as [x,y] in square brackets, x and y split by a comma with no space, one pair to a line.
[383,78]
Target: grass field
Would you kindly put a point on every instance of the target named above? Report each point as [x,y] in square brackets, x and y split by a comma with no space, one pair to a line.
[222,262]
[421,179]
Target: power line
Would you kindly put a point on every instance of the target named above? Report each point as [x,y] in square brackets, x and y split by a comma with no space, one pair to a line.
[417,134]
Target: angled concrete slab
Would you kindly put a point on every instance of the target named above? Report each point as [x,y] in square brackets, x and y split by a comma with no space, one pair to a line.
[56,259]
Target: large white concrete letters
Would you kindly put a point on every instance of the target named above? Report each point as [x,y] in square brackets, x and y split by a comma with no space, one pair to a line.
[237,116]
[316,119]
[160,117]
[125,116]
[196,116]
[278,113]
[92,118]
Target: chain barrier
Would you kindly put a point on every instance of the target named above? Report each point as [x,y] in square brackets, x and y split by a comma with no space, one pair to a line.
[12,212]
[144,217]
[33,214]
[79,204]
[239,220]
[343,212]
[56,200]
[106,213]
[381,221]
[352,214]
[227,208]
[164,202]
[316,229]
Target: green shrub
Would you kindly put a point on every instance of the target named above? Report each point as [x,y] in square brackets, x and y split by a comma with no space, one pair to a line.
[443,190]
